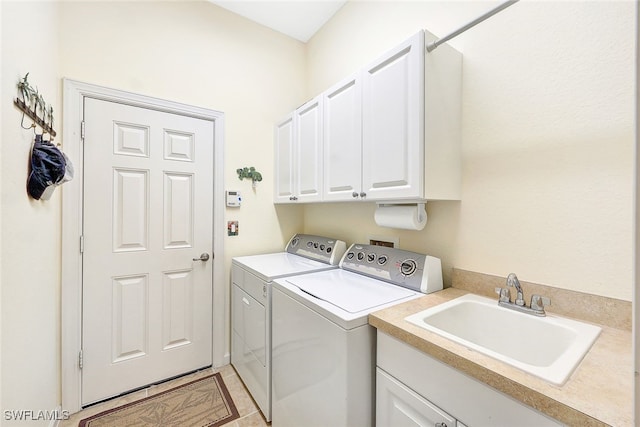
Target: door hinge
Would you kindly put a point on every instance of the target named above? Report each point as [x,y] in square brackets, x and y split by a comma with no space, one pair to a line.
[80,361]
[82,244]
[82,130]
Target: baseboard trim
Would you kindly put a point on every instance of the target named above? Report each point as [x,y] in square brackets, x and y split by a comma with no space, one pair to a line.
[226,360]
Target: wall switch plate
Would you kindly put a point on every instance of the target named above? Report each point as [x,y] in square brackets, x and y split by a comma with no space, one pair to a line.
[232,228]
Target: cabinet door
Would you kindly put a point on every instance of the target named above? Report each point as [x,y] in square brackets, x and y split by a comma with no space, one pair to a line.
[284,161]
[343,140]
[399,406]
[308,181]
[393,108]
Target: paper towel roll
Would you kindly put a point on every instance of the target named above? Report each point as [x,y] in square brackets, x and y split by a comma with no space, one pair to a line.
[409,217]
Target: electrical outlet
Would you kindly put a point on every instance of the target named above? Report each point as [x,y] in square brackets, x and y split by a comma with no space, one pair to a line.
[381,243]
[388,241]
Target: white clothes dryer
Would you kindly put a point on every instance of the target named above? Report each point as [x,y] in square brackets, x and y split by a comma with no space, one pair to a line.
[252,277]
[323,347]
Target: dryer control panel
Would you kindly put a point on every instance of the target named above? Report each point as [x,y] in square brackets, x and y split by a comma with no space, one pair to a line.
[412,270]
[323,249]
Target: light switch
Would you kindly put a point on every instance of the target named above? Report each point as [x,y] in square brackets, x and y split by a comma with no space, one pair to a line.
[232,228]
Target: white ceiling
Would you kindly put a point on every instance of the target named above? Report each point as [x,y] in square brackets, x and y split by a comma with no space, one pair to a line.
[299,19]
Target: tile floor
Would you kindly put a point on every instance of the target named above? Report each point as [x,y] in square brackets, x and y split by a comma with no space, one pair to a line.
[250,416]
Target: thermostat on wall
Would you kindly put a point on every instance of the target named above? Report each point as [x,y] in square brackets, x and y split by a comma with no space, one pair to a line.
[233,199]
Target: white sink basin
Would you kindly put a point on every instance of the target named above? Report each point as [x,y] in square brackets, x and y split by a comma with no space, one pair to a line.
[548,347]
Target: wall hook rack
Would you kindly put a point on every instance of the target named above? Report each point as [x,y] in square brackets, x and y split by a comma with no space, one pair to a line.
[32,102]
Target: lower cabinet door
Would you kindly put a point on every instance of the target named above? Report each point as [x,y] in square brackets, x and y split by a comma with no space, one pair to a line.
[399,406]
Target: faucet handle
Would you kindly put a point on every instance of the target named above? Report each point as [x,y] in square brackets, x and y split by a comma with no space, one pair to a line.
[539,302]
[505,294]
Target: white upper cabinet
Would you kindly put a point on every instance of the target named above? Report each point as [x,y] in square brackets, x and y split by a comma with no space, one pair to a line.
[343,140]
[284,156]
[298,155]
[309,157]
[392,123]
[390,132]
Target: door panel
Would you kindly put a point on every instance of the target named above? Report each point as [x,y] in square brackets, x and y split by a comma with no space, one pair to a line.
[129,313]
[148,211]
[177,300]
[178,210]
[343,140]
[309,151]
[284,156]
[130,210]
[393,146]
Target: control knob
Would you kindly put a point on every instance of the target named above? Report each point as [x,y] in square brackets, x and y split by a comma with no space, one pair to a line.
[408,267]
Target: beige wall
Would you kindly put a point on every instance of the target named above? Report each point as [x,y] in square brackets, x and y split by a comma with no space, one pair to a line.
[2,100]
[200,54]
[548,137]
[636,252]
[30,244]
[190,52]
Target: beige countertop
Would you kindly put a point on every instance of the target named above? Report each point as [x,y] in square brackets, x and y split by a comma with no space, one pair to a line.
[599,392]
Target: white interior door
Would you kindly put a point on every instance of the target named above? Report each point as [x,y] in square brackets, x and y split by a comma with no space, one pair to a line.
[148,201]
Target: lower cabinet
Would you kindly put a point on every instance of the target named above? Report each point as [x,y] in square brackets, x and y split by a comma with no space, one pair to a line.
[399,406]
[415,389]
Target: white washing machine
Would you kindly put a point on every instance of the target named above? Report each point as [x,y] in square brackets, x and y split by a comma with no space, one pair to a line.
[252,277]
[323,347]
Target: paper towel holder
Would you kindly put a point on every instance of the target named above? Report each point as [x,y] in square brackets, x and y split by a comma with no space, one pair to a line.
[419,215]
[421,210]
[419,206]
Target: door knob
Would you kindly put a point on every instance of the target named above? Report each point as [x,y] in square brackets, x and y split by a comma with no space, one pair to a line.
[203,257]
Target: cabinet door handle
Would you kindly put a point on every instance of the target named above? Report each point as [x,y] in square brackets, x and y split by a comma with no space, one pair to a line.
[246,301]
[354,194]
[441,425]
[363,194]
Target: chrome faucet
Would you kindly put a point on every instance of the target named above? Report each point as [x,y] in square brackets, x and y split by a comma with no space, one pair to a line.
[512,281]
[536,307]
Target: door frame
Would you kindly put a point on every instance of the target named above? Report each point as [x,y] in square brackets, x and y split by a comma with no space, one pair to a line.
[72,222]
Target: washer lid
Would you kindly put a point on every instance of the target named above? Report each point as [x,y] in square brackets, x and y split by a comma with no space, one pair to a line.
[280,264]
[350,292]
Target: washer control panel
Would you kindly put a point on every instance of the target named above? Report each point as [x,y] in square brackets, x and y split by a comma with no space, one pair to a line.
[323,249]
[411,270]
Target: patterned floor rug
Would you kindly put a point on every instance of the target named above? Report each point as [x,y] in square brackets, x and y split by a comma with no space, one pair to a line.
[202,403]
